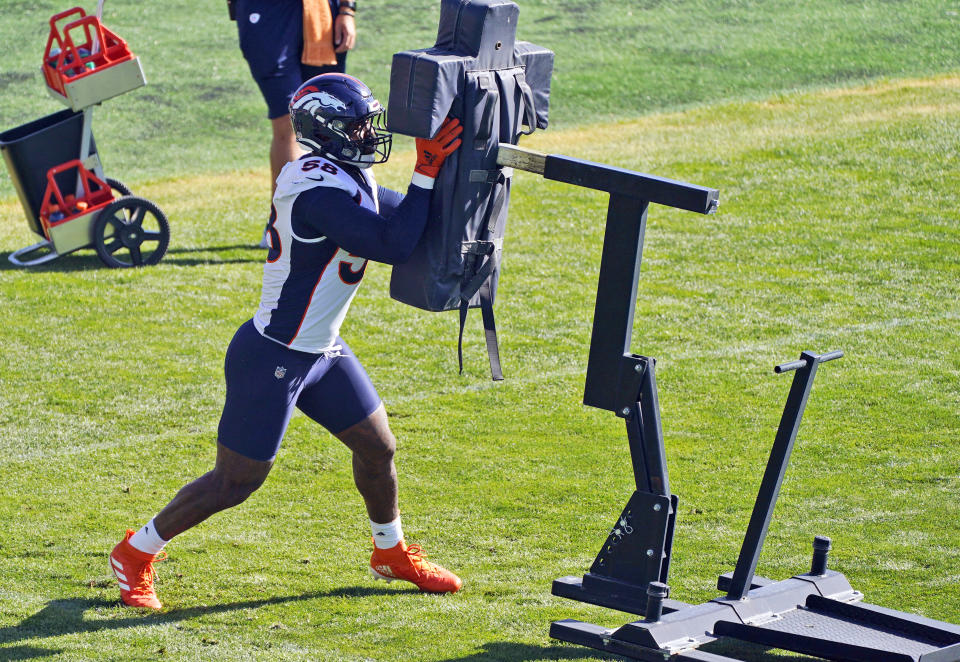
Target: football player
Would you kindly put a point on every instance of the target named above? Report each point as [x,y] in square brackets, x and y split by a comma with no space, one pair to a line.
[328,218]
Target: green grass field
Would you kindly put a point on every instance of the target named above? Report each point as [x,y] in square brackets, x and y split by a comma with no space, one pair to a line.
[838,162]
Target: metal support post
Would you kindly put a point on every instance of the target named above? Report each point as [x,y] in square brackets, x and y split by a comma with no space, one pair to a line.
[638,547]
[806,368]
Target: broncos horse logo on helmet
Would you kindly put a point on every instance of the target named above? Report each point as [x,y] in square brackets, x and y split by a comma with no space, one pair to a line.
[337,116]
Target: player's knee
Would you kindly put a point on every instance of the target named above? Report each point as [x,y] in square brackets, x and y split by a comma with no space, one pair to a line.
[234,495]
[232,492]
[386,453]
[380,452]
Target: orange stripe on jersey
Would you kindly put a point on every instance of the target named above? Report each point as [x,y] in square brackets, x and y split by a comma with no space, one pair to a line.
[310,299]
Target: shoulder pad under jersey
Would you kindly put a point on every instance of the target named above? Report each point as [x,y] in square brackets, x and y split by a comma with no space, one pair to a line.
[311,172]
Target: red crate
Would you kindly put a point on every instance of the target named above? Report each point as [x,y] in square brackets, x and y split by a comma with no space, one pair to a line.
[58,208]
[79,46]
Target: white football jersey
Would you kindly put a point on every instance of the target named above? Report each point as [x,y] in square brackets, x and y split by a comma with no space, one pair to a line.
[309,282]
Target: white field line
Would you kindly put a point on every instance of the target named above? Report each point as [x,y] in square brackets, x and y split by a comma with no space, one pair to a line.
[78,449]
[792,344]
[819,335]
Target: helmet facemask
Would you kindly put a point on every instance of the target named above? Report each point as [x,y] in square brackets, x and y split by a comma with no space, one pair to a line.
[364,142]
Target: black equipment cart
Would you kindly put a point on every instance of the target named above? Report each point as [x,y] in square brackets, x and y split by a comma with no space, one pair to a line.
[53,160]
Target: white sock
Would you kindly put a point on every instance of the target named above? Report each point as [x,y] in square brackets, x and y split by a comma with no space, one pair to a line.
[147,539]
[386,535]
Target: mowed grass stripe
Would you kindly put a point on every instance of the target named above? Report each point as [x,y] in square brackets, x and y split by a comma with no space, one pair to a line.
[836,230]
[71,430]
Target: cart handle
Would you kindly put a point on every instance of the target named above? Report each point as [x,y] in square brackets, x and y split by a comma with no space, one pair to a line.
[57,35]
[105,47]
[57,18]
[103,43]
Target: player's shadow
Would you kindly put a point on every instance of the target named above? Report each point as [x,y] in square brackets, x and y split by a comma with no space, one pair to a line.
[508,650]
[252,253]
[70,262]
[735,650]
[26,653]
[64,617]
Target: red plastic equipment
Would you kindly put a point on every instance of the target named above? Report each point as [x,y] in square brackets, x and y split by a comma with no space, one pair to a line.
[79,48]
[58,209]
[84,63]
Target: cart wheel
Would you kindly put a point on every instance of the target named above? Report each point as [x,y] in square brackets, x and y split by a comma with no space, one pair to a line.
[131,232]
[118,186]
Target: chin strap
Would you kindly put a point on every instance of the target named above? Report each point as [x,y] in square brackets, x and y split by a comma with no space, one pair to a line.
[357,164]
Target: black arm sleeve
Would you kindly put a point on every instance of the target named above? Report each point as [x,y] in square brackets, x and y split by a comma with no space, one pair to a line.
[390,238]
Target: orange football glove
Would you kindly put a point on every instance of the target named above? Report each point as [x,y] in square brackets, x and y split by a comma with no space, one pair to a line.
[432,152]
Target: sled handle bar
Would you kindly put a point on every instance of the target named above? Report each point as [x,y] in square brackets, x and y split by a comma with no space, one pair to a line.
[616,181]
[802,363]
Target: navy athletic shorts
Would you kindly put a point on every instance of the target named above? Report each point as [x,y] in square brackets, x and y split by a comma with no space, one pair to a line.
[266,380]
[271,38]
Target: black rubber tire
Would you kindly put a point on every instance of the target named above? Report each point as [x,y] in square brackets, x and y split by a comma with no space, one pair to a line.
[118,186]
[124,227]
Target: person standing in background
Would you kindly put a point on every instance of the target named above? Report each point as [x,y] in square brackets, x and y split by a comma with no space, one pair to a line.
[285,43]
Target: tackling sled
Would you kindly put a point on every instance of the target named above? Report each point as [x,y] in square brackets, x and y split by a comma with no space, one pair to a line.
[817,613]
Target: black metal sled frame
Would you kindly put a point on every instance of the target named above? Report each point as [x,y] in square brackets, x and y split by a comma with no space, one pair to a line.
[816,613]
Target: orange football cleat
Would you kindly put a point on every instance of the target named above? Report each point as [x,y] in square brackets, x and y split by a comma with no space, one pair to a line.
[135,574]
[408,564]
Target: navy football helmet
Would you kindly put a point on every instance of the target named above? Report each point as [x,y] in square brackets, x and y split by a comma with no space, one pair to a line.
[337,116]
